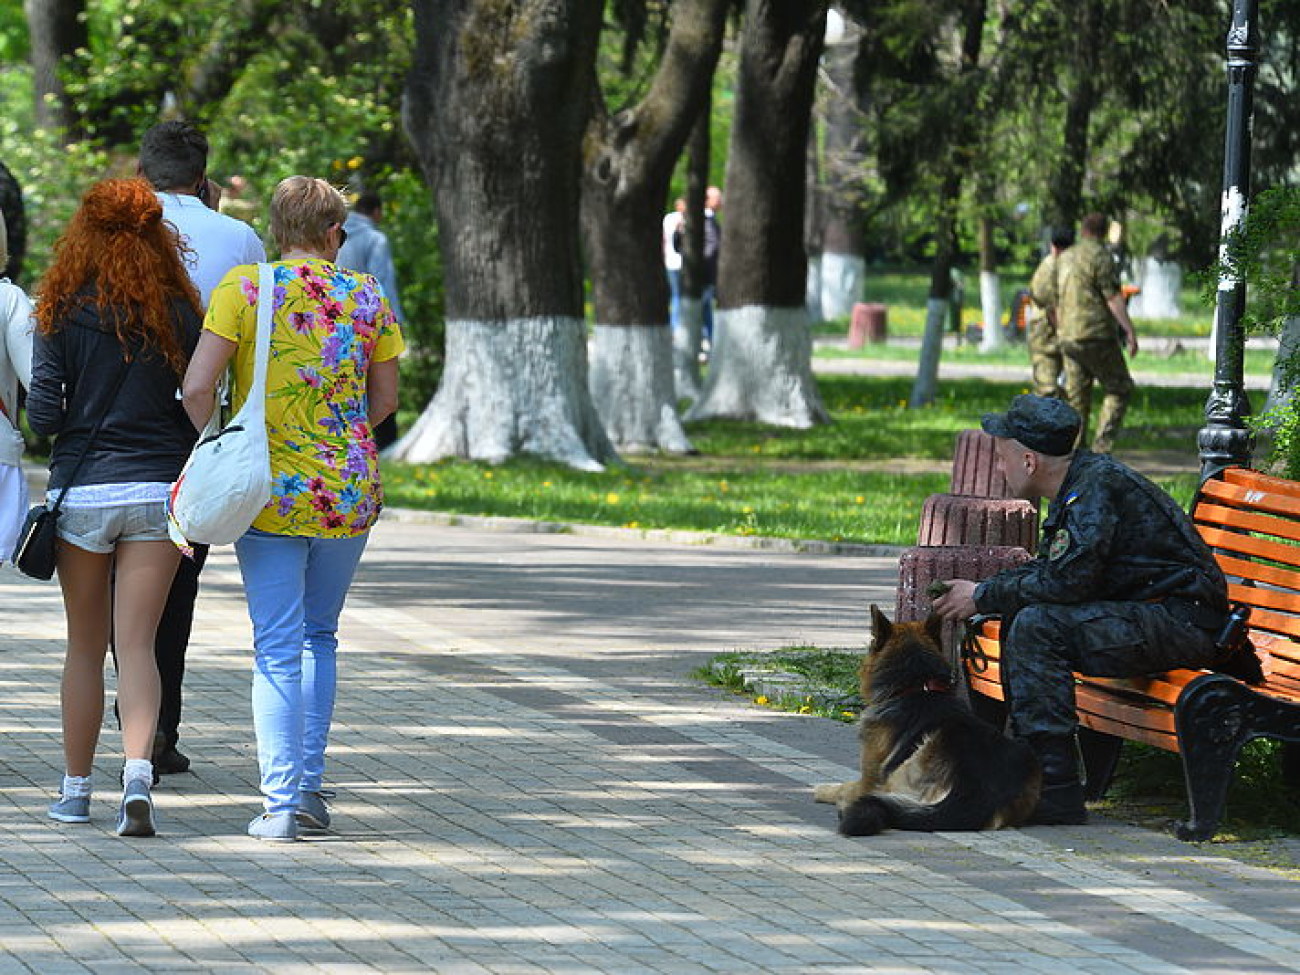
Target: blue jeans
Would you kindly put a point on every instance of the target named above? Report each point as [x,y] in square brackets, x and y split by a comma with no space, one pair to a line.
[674,297]
[295,586]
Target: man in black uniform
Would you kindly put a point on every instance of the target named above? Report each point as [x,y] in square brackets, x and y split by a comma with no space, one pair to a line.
[1122,586]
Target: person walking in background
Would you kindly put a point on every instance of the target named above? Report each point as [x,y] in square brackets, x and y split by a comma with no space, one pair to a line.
[332,376]
[712,247]
[367,249]
[1091,318]
[1044,344]
[674,225]
[15,369]
[117,319]
[174,159]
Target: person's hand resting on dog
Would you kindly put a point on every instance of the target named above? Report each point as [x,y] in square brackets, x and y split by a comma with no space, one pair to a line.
[956,601]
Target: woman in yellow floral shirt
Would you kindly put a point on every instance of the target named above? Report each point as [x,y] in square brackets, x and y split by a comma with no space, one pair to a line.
[332,377]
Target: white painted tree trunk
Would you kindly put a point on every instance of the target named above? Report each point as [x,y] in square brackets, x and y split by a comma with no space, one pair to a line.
[1288,347]
[518,386]
[1159,281]
[761,369]
[686,349]
[813,292]
[632,387]
[843,276]
[926,386]
[991,309]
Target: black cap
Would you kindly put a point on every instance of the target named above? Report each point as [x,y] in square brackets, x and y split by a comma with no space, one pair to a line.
[1048,426]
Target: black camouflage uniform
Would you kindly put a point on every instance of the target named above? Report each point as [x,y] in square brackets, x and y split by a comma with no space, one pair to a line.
[1122,586]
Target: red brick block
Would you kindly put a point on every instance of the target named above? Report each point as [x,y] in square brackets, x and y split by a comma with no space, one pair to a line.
[959,519]
[974,467]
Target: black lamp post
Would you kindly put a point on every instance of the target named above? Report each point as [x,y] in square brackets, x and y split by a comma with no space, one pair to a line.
[1225,441]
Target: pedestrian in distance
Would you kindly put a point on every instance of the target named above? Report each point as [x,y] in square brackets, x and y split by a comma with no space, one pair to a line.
[1122,586]
[367,249]
[673,229]
[117,320]
[174,159]
[332,376]
[15,370]
[1092,321]
[1045,359]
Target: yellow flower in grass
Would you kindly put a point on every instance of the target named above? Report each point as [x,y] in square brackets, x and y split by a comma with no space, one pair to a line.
[611,498]
[860,500]
[761,699]
[546,484]
[487,475]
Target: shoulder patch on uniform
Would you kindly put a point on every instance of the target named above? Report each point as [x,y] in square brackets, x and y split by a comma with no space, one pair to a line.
[1060,544]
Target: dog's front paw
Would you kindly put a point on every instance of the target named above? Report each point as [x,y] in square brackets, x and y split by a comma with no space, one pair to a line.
[827,792]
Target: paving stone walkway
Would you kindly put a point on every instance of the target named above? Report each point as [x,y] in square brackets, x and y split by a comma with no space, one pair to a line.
[529,781]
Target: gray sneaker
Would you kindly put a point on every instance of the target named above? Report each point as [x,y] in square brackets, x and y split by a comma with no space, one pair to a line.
[281,827]
[136,815]
[73,810]
[313,813]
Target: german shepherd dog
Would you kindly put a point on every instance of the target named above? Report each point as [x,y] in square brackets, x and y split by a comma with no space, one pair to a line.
[928,763]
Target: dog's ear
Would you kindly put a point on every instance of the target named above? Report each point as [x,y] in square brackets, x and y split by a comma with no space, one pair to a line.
[934,628]
[880,626]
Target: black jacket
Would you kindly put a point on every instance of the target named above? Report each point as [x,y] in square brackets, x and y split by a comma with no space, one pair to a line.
[1110,534]
[146,434]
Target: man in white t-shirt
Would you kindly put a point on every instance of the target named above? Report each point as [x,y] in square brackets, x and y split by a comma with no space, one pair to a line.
[174,158]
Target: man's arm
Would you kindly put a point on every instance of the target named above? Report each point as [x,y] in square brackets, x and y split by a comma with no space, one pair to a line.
[1119,308]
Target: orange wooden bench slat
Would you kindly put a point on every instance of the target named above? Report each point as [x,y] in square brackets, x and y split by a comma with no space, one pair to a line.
[1264,548]
[1213,514]
[1267,575]
[1268,482]
[1259,597]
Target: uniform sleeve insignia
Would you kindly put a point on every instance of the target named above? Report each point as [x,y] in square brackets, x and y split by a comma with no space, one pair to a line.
[1059,546]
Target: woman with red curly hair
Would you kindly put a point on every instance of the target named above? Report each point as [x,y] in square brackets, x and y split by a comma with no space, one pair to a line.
[116,321]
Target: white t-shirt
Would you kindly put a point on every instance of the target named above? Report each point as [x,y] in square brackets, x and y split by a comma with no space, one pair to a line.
[217,242]
[672,259]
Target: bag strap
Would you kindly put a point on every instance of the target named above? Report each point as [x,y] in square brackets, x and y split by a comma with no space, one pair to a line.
[262,340]
[112,397]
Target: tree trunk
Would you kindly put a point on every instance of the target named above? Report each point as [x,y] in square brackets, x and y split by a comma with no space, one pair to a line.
[762,354]
[963,135]
[628,165]
[990,299]
[57,28]
[497,101]
[1065,189]
[843,266]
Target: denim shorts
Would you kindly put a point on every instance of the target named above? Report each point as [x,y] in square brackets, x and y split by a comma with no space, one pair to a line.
[100,528]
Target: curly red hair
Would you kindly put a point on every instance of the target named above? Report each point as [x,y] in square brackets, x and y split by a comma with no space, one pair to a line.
[119,255]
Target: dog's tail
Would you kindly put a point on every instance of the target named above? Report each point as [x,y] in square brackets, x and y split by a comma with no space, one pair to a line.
[959,810]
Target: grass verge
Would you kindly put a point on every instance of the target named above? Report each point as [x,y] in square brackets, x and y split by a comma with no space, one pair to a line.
[861,479]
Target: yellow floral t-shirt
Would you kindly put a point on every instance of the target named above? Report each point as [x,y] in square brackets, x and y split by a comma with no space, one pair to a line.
[328,325]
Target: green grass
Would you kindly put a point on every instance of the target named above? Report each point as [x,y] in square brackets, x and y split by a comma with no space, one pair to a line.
[1183,361]
[905,292]
[861,479]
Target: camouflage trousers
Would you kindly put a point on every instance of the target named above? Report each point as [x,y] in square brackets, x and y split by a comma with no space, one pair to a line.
[1101,361]
[1043,645]
[1045,358]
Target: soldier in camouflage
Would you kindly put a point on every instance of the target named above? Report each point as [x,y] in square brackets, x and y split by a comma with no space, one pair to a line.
[1089,304]
[1044,346]
[1122,586]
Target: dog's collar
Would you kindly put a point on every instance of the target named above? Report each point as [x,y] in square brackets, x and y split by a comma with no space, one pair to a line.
[931,685]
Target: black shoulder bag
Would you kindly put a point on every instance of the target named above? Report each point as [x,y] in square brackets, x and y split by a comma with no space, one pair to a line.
[34,555]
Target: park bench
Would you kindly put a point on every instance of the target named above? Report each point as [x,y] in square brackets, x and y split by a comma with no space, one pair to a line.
[1252,522]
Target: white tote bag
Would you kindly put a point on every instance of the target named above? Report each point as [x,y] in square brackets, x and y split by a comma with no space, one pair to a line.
[227,481]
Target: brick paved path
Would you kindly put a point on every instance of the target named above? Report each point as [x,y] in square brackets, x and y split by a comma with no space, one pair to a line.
[528,781]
